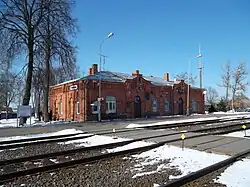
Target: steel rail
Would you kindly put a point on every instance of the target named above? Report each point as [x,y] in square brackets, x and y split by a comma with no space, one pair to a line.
[10,176]
[202,172]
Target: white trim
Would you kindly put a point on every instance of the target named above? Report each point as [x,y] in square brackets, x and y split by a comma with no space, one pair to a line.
[111,104]
[78,107]
[60,107]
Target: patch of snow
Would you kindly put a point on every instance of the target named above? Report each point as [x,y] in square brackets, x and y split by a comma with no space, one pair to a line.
[186,161]
[95,140]
[236,175]
[54,160]
[133,125]
[13,122]
[34,122]
[130,146]
[62,132]
[156,185]
[238,134]
[231,112]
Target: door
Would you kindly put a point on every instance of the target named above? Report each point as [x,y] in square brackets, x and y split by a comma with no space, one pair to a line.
[137,107]
[180,106]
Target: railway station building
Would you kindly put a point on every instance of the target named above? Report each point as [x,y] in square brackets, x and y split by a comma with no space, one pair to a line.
[122,96]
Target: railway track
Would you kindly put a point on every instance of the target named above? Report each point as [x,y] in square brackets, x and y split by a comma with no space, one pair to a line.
[10,144]
[9,176]
[200,173]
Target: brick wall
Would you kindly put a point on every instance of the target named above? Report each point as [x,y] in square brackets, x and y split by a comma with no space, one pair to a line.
[125,93]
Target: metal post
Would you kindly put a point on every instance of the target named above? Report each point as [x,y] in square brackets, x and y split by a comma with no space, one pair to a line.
[100,82]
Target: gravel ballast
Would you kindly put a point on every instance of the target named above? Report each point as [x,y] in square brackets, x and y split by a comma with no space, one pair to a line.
[106,173]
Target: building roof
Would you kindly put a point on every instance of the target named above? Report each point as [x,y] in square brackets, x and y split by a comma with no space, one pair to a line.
[122,77]
[158,81]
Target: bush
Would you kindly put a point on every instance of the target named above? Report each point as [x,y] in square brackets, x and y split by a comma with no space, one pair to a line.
[222,106]
[212,109]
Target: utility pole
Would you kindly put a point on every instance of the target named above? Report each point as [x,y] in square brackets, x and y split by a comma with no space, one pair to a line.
[100,78]
[200,67]
[104,58]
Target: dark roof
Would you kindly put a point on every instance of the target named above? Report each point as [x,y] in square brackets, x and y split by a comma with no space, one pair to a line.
[122,77]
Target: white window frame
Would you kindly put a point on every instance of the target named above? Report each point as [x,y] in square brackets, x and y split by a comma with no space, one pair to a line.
[78,107]
[60,107]
[166,109]
[155,105]
[111,104]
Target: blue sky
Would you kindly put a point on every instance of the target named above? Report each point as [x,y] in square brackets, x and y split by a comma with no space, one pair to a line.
[161,36]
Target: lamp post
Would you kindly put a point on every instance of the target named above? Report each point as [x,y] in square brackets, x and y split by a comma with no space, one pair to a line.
[188,90]
[100,80]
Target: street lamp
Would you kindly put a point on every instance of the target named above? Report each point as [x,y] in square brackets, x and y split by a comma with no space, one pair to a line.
[100,69]
[188,91]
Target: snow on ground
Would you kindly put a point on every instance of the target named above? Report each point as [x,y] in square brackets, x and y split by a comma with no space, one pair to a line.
[236,175]
[34,122]
[231,112]
[62,132]
[133,125]
[130,146]
[186,161]
[238,134]
[13,122]
[95,140]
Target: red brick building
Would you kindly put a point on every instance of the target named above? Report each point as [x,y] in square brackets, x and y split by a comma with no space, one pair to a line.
[124,95]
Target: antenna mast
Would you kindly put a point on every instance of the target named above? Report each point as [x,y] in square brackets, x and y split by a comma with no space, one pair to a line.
[200,67]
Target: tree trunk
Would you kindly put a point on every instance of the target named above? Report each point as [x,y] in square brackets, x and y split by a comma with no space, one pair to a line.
[6,106]
[47,81]
[38,107]
[26,98]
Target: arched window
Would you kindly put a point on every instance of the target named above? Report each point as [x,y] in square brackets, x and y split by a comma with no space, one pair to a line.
[154,105]
[110,104]
[166,106]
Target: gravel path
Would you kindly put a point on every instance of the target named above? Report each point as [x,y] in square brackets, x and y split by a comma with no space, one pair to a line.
[115,172]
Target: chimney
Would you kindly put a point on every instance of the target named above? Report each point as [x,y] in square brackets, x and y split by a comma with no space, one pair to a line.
[94,69]
[166,76]
[136,73]
[90,71]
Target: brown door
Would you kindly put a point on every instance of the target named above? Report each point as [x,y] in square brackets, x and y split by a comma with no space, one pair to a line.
[137,107]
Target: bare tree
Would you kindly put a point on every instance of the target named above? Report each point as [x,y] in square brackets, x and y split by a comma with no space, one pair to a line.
[212,95]
[239,82]
[226,79]
[184,76]
[19,20]
[54,45]
[38,88]
[10,87]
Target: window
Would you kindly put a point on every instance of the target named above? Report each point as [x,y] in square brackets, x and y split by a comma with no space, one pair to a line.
[154,105]
[60,107]
[194,106]
[111,104]
[166,106]
[78,106]
[95,107]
